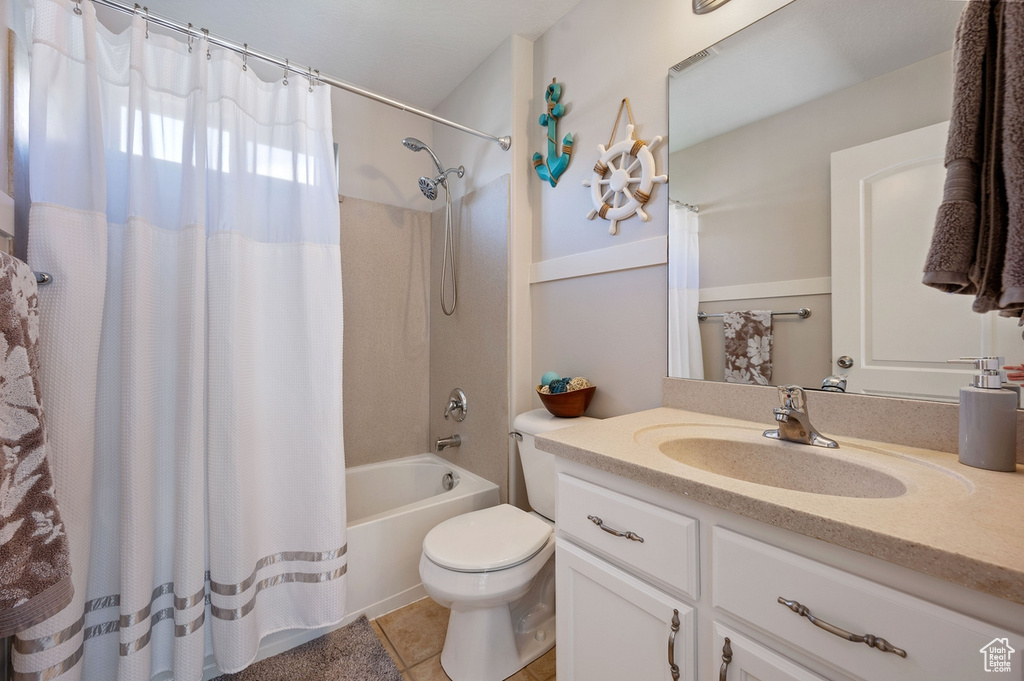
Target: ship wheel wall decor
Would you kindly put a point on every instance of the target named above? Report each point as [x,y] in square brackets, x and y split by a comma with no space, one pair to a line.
[623,178]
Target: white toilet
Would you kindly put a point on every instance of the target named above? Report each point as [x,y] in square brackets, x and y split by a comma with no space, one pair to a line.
[495,570]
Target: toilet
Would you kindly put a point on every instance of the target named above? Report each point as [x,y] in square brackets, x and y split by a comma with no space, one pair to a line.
[495,570]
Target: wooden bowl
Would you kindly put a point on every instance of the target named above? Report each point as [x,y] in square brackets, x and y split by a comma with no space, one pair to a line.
[568,405]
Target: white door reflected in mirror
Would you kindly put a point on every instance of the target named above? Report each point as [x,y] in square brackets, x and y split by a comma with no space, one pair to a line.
[899,332]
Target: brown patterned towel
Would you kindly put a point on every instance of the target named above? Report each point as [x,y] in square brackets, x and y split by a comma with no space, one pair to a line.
[748,347]
[35,570]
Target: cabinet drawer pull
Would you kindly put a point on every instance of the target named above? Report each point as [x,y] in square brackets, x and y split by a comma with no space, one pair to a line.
[726,659]
[628,535]
[872,641]
[673,667]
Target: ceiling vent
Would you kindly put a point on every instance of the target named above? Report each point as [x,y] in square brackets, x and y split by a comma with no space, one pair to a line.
[692,61]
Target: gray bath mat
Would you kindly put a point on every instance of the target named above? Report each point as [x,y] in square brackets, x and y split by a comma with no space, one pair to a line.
[352,653]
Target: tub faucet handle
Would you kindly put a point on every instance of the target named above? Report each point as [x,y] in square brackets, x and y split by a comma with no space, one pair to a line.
[456,402]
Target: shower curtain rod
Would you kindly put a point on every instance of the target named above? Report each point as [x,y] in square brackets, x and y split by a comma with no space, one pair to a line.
[305,71]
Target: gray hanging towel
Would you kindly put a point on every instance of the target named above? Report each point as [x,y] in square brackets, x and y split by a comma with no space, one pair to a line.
[35,569]
[748,347]
[978,244]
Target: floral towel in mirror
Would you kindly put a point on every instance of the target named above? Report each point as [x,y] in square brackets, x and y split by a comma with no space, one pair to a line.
[748,347]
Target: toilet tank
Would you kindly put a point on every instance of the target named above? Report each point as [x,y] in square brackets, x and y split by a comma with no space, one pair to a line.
[538,466]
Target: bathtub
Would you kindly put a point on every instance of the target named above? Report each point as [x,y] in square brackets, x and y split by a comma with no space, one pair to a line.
[391,507]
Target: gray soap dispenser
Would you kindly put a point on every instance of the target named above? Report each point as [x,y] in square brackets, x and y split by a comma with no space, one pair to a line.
[988,418]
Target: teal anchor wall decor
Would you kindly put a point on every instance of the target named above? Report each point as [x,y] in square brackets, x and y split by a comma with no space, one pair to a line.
[555,165]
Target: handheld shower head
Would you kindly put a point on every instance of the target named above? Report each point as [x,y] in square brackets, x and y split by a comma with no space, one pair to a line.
[429,188]
[413,144]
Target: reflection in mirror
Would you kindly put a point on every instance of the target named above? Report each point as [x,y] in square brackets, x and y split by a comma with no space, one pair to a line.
[756,128]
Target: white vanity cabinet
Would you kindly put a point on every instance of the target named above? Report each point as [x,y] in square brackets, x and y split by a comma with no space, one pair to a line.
[616,624]
[725,575]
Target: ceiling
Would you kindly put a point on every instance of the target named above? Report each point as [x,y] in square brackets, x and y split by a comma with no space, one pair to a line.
[801,52]
[416,51]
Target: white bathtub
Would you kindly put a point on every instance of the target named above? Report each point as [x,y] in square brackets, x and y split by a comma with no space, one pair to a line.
[391,507]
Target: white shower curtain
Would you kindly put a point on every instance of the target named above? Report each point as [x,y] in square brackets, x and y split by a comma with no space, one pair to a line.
[685,359]
[191,350]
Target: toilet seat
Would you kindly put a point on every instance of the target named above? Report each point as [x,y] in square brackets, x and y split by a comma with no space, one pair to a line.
[491,539]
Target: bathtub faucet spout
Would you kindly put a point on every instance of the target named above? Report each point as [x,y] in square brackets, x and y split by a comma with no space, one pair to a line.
[452,441]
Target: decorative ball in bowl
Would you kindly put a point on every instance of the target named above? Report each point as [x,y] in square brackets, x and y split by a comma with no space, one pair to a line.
[567,405]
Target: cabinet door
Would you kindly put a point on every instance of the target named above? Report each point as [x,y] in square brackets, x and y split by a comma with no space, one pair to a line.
[750,660]
[612,626]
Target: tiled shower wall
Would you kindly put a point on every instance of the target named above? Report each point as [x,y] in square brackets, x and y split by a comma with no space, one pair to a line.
[470,349]
[402,355]
[385,261]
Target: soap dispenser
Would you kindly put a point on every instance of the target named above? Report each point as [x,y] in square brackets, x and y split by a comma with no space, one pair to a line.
[988,418]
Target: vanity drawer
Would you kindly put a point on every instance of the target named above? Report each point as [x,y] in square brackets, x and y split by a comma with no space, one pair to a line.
[749,576]
[667,556]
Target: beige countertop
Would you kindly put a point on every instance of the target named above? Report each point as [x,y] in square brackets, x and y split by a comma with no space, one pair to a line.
[955,522]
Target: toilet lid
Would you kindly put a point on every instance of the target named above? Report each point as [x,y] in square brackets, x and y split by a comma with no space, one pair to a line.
[489,539]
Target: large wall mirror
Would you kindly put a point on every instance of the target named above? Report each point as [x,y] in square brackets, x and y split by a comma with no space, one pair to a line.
[811,143]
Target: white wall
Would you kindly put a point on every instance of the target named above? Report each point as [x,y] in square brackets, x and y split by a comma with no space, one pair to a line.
[495,99]
[373,165]
[484,102]
[602,53]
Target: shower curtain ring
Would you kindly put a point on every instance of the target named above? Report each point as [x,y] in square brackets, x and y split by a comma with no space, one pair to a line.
[245,57]
[146,10]
[190,38]
[317,72]
[78,7]
[286,71]
[206,37]
[310,77]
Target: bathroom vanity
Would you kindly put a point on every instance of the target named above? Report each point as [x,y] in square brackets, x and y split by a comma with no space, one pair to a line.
[668,545]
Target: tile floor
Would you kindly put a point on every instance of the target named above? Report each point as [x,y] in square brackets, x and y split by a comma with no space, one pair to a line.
[414,636]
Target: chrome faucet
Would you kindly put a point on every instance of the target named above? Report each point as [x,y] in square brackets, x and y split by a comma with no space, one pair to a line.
[794,423]
[836,383]
[451,441]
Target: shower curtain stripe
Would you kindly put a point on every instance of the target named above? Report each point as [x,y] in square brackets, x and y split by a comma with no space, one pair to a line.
[27,646]
[192,351]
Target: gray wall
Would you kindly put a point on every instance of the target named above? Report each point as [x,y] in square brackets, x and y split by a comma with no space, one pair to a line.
[607,344]
[763,192]
[385,263]
[626,357]
[470,349]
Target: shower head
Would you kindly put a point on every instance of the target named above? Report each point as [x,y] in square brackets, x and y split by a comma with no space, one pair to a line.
[428,187]
[414,144]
